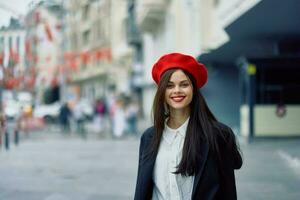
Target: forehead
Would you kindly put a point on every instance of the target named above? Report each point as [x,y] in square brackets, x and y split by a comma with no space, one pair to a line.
[179,75]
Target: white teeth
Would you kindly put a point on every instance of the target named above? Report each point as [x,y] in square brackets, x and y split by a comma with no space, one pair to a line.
[177,98]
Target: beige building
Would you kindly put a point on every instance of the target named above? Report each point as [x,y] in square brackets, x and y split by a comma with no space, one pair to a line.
[95,33]
[44,40]
[121,51]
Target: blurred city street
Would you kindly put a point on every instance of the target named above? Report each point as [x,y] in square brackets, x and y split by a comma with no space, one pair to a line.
[77,87]
[49,165]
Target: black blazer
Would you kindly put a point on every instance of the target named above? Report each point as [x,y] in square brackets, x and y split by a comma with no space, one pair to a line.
[214,180]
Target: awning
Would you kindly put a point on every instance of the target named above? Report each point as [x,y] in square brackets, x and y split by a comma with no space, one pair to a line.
[257,32]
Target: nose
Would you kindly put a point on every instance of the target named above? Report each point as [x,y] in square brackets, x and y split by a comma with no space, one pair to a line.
[176,89]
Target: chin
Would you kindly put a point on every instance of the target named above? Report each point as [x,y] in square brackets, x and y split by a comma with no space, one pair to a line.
[179,107]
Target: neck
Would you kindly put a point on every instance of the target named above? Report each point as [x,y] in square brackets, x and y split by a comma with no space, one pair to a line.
[178,117]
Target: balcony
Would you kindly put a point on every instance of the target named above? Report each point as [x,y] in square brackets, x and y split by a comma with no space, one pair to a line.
[150,13]
[230,10]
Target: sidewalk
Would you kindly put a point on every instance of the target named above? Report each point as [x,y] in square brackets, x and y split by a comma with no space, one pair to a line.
[271,170]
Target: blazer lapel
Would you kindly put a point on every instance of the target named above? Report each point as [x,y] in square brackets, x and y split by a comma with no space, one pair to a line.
[204,152]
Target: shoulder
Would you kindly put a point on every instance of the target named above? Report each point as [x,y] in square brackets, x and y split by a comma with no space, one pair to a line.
[145,140]
[148,133]
[223,132]
[221,126]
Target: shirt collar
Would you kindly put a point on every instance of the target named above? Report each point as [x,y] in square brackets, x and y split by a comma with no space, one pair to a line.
[169,133]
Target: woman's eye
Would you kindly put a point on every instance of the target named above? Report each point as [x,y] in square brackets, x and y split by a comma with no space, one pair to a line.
[169,86]
[185,85]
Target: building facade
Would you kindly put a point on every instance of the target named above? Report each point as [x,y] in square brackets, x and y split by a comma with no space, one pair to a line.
[96,50]
[12,55]
[44,49]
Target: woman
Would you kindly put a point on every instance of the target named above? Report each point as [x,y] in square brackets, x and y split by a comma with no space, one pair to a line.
[187,154]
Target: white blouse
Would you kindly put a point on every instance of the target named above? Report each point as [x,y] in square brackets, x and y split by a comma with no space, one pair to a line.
[169,186]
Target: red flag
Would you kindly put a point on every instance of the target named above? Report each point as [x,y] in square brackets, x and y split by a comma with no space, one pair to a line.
[107,54]
[103,54]
[98,54]
[28,48]
[30,82]
[73,64]
[13,57]
[48,32]
[68,55]
[1,58]
[85,57]
[10,83]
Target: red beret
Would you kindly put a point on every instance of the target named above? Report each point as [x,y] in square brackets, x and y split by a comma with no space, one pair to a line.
[180,61]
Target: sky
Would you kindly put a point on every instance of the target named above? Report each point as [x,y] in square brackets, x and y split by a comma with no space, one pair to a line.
[20,7]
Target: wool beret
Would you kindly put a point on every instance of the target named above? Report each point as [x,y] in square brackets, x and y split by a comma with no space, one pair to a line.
[180,61]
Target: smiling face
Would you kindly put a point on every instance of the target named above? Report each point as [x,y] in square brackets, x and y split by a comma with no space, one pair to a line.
[179,92]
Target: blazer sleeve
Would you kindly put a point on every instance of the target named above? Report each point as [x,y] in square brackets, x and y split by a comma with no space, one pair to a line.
[138,184]
[229,148]
[234,150]
[230,159]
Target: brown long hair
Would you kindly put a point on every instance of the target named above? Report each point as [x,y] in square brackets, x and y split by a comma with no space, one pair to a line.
[199,127]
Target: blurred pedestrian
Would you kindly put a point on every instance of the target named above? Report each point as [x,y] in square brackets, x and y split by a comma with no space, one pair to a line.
[23,120]
[132,111]
[100,111]
[2,125]
[18,126]
[64,117]
[119,120]
[111,102]
[187,154]
[78,115]
[4,135]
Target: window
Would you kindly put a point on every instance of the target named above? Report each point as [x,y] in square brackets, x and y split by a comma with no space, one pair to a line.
[10,42]
[276,85]
[86,37]
[18,44]
[86,12]
[1,43]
